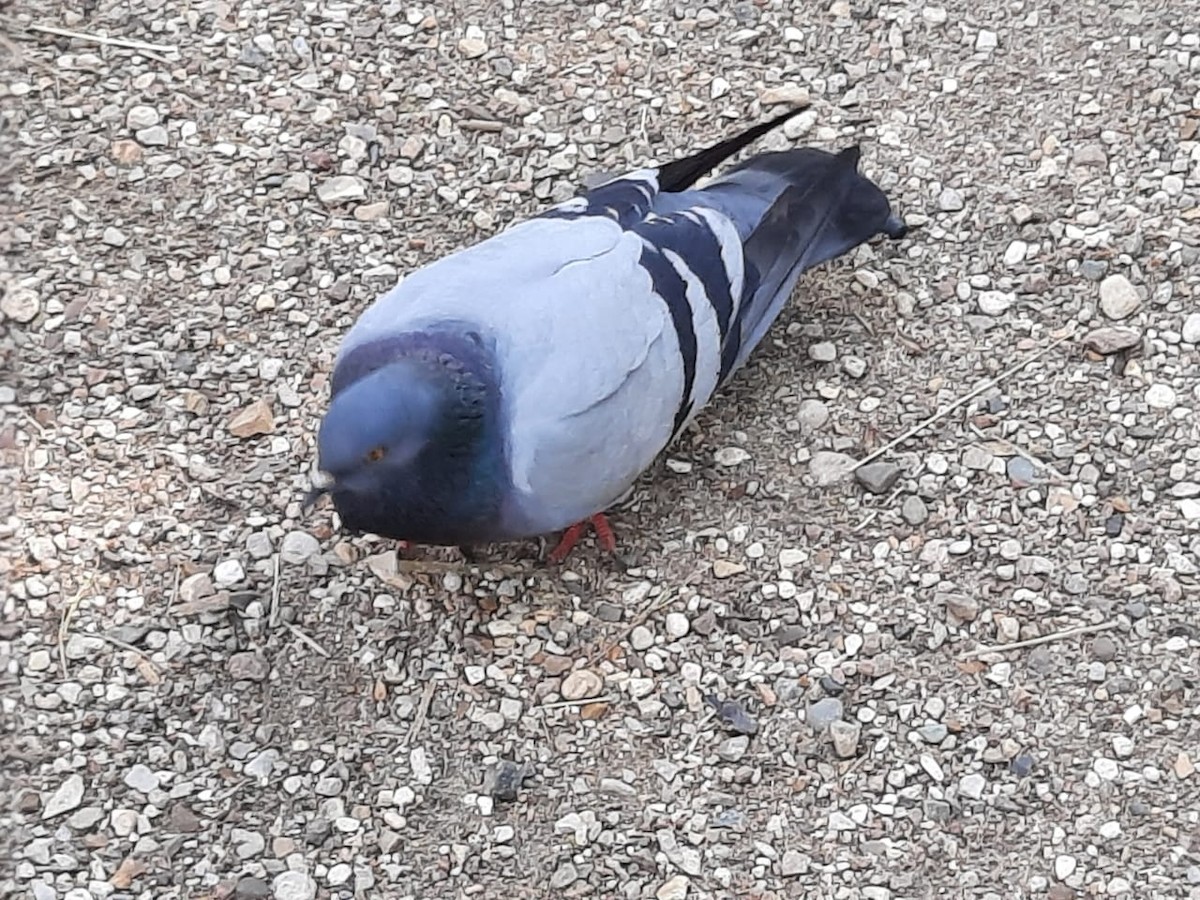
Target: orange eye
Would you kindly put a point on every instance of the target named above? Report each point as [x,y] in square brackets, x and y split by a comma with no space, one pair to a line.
[375,454]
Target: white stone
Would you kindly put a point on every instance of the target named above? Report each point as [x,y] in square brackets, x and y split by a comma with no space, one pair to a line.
[68,797]
[1064,866]
[141,778]
[1190,509]
[20,304]
[972,786]
[1160,396]
[1191,329]
[1118,297]
[994,303]
[1015,253]
[677,625]
[641,638]
[986,40]
[227,573]
[142,117]
[298,546]
[340,189]
[1122,747]
[950,200]
[294,886]
[731,456]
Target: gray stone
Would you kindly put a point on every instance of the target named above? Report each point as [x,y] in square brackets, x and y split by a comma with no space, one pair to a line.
[1020,470]
[249,665]
[20,304]
[155,136]
[878,477]
[641,638]
[262,764]
[677,625]
[792,864]
[251,888]
[914,511]
[734,748]
[228,572]
[824,713]
[564,876]
[829,467]
[328,786]
[933,733]
[1109,340]
[854,366]
[813,414]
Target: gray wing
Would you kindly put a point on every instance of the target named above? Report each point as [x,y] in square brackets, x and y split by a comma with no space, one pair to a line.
[584,314]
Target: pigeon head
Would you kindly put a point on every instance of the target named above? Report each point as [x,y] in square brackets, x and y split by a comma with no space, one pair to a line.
[407,449]
[378,426]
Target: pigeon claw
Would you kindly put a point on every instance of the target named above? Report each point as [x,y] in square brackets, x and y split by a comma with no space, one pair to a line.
[604,535]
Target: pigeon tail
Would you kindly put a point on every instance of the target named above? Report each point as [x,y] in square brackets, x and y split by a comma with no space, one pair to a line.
[794,210]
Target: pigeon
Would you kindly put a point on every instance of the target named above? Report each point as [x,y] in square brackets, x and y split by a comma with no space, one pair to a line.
[520,386]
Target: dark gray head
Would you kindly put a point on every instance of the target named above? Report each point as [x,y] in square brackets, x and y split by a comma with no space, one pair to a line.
[410,447]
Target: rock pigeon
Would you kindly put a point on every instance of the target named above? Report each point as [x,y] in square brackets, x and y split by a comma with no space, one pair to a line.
[520,386]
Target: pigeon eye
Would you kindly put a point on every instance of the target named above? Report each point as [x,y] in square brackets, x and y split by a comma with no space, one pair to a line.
[375,454]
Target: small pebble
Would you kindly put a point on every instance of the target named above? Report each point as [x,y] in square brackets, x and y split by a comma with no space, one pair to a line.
[972,785]
[1190,333]
[734,748]
[641,638]
[1103,648]
[733,716]
[298,547]
[914,511]
[813,414]
[1020,471]
[824,713]
[1118,297]
[878,477]
[677,625]
[950,200]
[1064,866]
[823,352]
[845,737]
[1021,765]
[505,780]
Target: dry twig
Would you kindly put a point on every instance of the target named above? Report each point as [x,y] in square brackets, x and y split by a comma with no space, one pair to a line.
[1044,639]
[961,401]
[103,40]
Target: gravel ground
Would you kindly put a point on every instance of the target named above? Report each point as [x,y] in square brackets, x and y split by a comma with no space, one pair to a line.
[802,688]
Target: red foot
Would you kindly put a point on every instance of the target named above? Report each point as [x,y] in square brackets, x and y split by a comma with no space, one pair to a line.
[572,535]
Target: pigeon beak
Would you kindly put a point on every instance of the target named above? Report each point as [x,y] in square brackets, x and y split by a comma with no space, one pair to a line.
[322,484]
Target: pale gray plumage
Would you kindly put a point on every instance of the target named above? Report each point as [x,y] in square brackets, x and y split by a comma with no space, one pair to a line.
[562,355]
